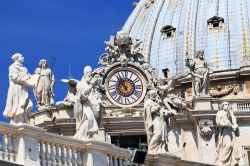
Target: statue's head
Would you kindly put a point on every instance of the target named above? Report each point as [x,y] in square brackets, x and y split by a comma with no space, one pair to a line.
[123,40]
[152,94]
[225,106]
[18,57]
[200,54]
[43,63]
[87,71]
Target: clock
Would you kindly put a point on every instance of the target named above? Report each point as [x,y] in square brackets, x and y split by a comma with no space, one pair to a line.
[125,87]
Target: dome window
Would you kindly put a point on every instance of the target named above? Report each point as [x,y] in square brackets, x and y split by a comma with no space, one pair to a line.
[168,31]
[215,22]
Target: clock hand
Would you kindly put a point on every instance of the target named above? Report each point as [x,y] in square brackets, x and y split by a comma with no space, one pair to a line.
[122,83]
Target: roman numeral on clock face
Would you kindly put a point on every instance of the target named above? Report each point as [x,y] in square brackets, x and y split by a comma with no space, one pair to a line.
[137,93]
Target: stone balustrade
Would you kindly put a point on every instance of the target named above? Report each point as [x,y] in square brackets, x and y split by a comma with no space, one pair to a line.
[29,145]
[239,105]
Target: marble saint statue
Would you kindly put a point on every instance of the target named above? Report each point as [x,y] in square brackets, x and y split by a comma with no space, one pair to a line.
[18,104]
[155,121]
[69,100]
[44,87]
[200,74]
[86,106]
[226,122]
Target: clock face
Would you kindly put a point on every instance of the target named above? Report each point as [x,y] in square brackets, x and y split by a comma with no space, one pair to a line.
[125,88]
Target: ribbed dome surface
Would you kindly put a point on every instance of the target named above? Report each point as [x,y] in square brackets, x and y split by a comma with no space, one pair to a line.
[219,27]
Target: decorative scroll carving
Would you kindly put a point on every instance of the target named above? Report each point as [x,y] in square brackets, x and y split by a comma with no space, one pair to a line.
[122,48]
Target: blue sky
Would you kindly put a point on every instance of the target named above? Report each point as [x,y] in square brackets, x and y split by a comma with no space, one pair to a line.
[71,31]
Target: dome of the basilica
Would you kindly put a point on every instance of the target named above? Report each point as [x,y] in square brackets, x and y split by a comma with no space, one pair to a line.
[173,29]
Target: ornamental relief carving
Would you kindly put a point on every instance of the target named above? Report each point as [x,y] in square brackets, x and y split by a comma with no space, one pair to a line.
[221,91]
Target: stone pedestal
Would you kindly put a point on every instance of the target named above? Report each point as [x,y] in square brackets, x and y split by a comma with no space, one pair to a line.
[27,150]
[202,103]
[96,158]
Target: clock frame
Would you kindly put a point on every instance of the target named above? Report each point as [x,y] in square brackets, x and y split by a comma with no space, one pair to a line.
[125,86]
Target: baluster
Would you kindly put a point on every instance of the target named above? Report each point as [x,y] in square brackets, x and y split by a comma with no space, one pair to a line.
[47,154]
[58,157]
[239,107]
[115,161]
[248,106]
[5,153]
[79,160]
[124,162]
[63,158]
[14,139]
[110,160]
[1,147]
[42,154]
[68,156]
[120,161]
[73,158]
[127,162]
[10,148]
[52,154]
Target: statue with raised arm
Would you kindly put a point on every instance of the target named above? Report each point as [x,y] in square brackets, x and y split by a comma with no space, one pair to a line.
[44,87]
[156,123]
[86,107]
[200,74]
[18,104]
[227,124]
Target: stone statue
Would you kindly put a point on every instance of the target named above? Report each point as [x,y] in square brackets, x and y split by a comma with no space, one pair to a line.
[69,100]
[227,124]
[200,74]
[122,48]
[44,87]
[155,119]
[19,104]
[86,107]
[170,99]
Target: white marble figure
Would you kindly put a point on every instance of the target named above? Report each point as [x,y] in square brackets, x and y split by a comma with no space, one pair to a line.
[86,106]
[200,74]
[155,124]
[69,100]
[18,104]
[44,87]
[226,121]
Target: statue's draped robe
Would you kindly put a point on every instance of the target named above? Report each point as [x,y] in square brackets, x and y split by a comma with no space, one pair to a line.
[85,105]
[43,89]
[18,104]
[226,152]
[156,129]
